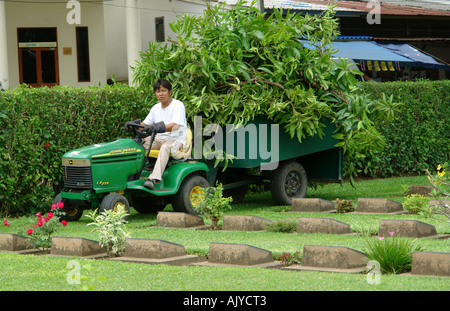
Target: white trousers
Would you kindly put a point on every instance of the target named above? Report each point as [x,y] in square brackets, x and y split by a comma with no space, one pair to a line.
[165,147]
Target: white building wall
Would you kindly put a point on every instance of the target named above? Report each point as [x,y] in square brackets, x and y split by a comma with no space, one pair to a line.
[115,27]
[39,14]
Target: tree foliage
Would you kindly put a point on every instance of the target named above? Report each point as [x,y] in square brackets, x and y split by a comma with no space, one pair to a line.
[230,66]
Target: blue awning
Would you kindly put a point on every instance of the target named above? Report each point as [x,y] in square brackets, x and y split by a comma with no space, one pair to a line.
[419,58]
[363,50]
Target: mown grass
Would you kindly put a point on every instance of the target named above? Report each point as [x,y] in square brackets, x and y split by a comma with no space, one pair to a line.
[28,272]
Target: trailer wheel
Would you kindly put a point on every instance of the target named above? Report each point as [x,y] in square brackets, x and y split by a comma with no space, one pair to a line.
[184,200]
[73,212]
[113,201]
[289,181]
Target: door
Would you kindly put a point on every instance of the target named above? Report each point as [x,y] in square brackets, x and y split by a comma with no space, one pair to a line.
[38,57]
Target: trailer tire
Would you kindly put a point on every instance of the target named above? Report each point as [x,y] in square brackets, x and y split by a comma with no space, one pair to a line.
[182,200]
[112,201]
[289,181]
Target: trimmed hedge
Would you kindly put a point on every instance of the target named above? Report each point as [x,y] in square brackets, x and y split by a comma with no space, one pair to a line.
[419,138]
[37,126]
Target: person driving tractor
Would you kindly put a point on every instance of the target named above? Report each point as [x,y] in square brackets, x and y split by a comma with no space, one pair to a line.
[167,118]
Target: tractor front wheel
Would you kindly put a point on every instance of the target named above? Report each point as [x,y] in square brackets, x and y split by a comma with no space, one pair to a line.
[113,201]
[73,211]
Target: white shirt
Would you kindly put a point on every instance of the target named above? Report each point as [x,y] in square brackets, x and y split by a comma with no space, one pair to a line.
[174,113]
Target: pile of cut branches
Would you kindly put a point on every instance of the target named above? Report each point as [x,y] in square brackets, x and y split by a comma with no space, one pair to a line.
[230,66]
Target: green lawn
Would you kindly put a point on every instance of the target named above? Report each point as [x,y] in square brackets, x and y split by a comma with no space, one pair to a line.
[27,272]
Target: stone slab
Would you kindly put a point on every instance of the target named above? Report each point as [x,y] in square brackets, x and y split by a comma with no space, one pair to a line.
[238,254]
[377,205]
[79,247]
[13,242]
[154,249]
[172,261]
[322,225]
[244,223]
[312,205]
[431,263]
[406,228]
[424,190]
[332,258]
[178,220]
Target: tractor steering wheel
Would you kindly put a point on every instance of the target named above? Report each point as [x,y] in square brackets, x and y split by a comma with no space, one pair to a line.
[136,128]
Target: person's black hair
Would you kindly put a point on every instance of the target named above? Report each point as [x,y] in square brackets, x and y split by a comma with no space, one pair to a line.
[162,82]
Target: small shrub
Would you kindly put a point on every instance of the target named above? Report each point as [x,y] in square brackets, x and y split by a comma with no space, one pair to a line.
[110,228]
[415,203]
[344,206]
[288,259]
[42,231]
[393,253]
[441,192]
[212,204]
[285,225]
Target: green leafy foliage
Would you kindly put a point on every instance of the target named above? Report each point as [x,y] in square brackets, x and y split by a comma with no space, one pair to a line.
[415,203]
[110,226]
[212,204]
[418,138]
[393,253]
[283,225]
[230,66]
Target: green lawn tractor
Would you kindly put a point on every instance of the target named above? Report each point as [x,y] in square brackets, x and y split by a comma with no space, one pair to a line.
[108,175]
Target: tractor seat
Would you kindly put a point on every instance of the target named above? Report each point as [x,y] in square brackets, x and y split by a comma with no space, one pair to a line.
[183,153]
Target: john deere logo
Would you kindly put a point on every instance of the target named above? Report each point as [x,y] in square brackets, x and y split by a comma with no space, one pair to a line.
[70,162]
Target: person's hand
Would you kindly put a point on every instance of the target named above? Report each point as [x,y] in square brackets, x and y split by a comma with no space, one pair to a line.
[158,127]
[128,128]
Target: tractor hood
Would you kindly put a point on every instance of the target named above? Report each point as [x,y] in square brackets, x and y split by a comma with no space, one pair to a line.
[118,147]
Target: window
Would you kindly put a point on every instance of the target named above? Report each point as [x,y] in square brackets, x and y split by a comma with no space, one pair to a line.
[159,29]
[84,72]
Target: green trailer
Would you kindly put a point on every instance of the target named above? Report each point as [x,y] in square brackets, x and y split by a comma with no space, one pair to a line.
[111,174]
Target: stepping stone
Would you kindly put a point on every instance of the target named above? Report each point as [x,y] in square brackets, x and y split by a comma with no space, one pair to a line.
[429,263]
[13,242]
[375,205]
[225,254]
[331,259]
[79,247]
[151,251]
[312,205]
[406,228]
[178,220]
[244,223]
[419,189]
[322,225]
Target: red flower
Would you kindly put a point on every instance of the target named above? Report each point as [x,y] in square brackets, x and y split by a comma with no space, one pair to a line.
[64,223]
[54,206]
[40,223]
[6,223]
[30,231]
[50,215]
[38,215]
[60,204]
[47,145]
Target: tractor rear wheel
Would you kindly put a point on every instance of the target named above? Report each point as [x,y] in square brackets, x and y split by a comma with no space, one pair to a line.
[184,200]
